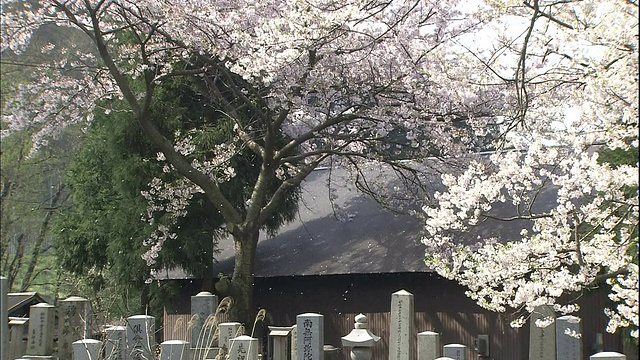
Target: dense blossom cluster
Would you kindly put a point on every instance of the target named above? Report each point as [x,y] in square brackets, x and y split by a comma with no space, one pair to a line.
[552,82]
[575,84]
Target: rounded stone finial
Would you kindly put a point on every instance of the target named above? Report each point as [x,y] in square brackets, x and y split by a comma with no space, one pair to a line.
[361,322]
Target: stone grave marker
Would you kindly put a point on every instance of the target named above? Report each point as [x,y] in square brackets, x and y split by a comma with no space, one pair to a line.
[41,323]
[17,344]
[87,349]
[74,316]
[203,305]
[429,345]
[294,342]
[310,336]
[228,331]
[141,337]
[608,355]
[542,340]
[401,333]
[175,350]
[243,348]
[116,343]
[4,318]
[280,339]
[455,351]
[568,338]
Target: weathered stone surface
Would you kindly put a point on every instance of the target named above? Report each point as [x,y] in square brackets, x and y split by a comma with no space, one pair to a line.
[542,340]
[568,338]
[401,333]
[310,328]
[429,345]
[203,306]
[455,351]
[41,323]
[175,350]
[115,343]
[74,317]
[141,337]
[87,349]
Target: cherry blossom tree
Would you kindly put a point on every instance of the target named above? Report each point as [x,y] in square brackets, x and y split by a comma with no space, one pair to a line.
[572,72]
[349,82]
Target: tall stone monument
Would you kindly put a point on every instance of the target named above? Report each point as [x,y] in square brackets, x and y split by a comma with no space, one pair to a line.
[116,343]
[41,327]
[310,334]
[74,323]
[203,305]
[542,340]
[141,339]
[4,318]
[401,333]
[569,338]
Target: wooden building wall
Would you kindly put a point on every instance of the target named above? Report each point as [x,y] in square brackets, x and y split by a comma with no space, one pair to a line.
[440,306]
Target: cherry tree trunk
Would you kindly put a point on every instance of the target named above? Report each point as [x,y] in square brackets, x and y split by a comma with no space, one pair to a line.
[241,288]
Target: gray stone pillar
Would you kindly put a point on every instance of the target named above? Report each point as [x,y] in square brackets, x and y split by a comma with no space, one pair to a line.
[175,350]
[280,340]
[203,306]
[401,333]
[243,348]
[4,318]
[429,345]
[310,342]
[360,339]
[608,355]
[116,343]
[141,339]
[455,351]
[294,342]
[74,323]
[41,322]
[542,340]
[87,349]
[17,344]
[569,338]
[228,331]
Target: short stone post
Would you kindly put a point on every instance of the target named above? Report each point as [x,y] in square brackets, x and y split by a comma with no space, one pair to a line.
[175,350]
[429,345]
[542,340]
[203,305]
[74,323]
[87,349]
[17,345]
[4,318]
[116,343]
[294,342]
[141,339]
[280,339]
[360,339]
[455,351]
[568,338]
[608,355]
[401,333]
[41,323]
[310,336]
[243,348]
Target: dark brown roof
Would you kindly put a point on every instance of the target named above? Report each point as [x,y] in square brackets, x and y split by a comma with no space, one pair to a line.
[22,299]
[361,237]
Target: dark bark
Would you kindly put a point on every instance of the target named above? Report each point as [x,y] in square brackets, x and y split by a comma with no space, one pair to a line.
[241,288]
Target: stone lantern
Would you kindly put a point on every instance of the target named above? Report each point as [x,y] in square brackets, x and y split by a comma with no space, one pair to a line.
[360,339]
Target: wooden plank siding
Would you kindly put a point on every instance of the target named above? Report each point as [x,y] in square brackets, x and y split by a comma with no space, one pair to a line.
[440,306]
